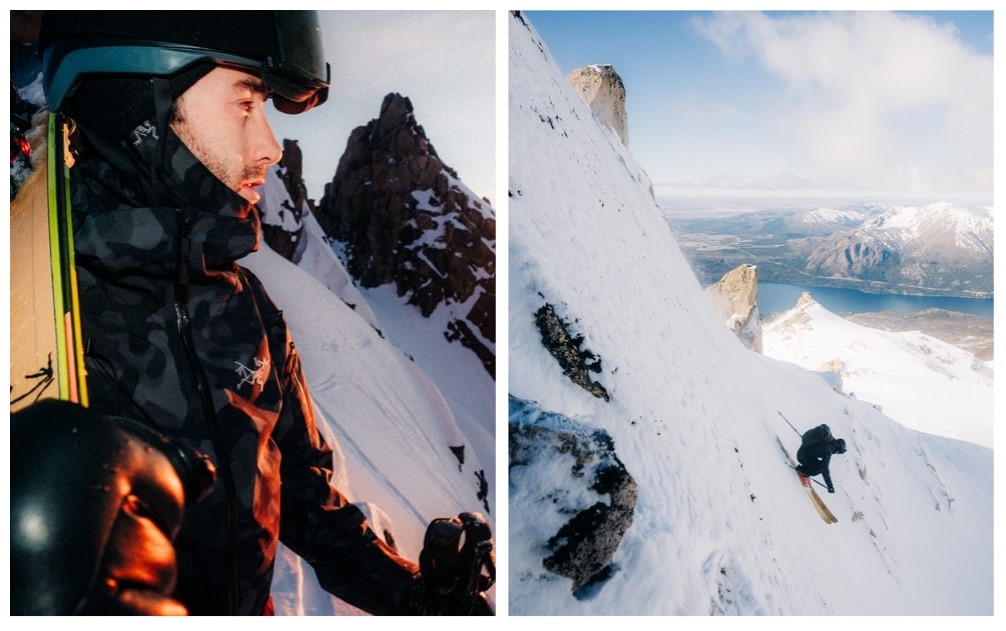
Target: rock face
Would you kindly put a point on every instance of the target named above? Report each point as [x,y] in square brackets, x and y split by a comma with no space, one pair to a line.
[406,218]
[602,89]
[856,256]
[735,298]
[576,362]
[582,548]
[282,224]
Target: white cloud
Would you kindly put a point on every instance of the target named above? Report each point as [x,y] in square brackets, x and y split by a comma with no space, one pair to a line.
[873,99]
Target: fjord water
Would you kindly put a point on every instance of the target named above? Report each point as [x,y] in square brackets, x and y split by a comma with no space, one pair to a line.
[774,297]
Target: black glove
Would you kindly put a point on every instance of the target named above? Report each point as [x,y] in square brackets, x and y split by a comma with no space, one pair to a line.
[93,511]
[453,576]
[831,489]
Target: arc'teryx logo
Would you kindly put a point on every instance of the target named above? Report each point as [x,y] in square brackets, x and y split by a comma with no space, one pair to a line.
[253,377]
[146,128]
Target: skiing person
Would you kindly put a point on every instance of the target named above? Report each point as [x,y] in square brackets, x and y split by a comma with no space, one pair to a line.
[170,142]
[483,493]
[816,448]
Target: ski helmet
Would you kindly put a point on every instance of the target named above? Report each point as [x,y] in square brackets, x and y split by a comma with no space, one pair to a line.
[284,48]
[840,446]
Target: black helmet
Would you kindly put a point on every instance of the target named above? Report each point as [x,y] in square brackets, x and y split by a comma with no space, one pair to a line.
[283,47]
[840,446]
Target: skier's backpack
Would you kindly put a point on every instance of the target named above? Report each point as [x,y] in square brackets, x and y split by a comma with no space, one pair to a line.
[819,434]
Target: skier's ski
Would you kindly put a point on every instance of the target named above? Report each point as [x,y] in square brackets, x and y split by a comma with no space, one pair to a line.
[69,345]
[815,499]
[46,353]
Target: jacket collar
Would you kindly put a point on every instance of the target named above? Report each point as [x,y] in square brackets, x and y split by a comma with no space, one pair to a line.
[130,221]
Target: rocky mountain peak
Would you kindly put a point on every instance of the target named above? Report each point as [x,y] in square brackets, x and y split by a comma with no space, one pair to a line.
[282,218]
[405,218]
[735,298]
[805,300]
[600,87]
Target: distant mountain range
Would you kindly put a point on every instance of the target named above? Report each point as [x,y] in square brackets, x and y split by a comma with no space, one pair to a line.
[940,248]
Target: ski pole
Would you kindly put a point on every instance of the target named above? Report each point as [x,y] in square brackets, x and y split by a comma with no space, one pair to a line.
[818,483]
[790,424]
[823,486]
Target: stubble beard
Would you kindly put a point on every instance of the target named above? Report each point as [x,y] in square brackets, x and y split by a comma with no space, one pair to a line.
[233,177]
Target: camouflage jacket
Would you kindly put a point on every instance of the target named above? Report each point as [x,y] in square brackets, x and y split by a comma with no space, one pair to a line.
[179,335]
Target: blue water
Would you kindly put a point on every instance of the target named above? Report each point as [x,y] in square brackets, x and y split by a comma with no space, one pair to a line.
[773,297]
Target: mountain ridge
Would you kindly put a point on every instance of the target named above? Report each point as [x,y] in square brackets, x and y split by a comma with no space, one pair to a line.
[939,248]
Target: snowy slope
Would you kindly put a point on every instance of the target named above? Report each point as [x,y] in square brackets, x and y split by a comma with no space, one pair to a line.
[918,380]
[721,525]
[393,392]
[391,422]
[391,398]
[459,375]
[456,374]
[937,225]
[315,253]
[455,371]
[831,216]
[387,414]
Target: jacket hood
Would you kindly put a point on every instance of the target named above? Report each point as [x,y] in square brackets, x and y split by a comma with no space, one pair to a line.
[147,206]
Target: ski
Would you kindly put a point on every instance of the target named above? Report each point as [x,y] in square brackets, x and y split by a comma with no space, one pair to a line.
[815,499]
[69,344]
[822,510]
[46,349]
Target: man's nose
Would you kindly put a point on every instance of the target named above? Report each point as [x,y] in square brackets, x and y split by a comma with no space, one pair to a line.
[266,149]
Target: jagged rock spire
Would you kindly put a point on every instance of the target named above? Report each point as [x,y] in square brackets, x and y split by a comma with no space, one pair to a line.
[602,89]
[407,219]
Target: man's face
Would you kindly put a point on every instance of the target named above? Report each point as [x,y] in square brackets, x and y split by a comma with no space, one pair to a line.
[221,119]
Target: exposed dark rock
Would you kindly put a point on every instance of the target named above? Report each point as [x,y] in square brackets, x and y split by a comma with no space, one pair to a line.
[856,256]
[576,363]
[406,219]
[583,547]
[282,228]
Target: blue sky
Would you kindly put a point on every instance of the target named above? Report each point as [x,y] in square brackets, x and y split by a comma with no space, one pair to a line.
[834,101]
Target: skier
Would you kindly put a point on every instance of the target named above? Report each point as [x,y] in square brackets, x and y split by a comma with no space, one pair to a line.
[816,449]
[170,141]
[483,493]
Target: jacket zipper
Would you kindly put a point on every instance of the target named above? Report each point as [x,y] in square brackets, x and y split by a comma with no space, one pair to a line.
[209,412]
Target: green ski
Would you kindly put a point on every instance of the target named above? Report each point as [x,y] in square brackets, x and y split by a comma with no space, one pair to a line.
[69,344]
[46,343]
